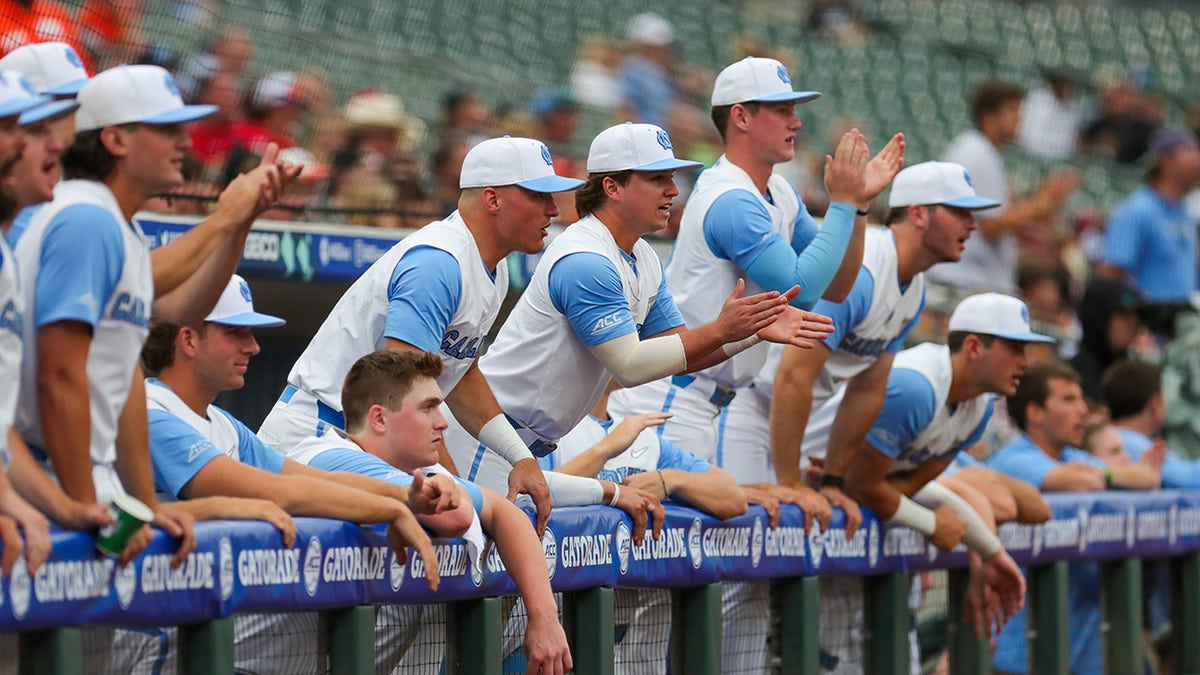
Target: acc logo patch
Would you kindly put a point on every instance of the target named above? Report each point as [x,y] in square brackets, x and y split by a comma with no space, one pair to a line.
[312,566]
[623,542]
[125,581]
[550,551]
[225,558]
[695,550]
[19,588]
[396,572]
[756,542]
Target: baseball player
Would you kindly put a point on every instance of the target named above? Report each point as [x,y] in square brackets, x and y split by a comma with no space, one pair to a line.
[742,221]
[437,290]
[929,219]
[199,450]
[938,403]
[394,423]
[598,308]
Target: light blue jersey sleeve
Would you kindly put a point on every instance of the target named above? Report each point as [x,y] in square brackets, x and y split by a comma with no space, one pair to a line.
[664,314]
[473,490]
[738,228]
[360,462]
[586,288]
[908,408]
[671,456]
[82,259]
[896,345]
[974,437]
[177,451]
[253,451]
[848,313]
[1022,460]
[423,295]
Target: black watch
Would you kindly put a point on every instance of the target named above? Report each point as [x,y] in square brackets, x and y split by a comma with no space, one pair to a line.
[838,482]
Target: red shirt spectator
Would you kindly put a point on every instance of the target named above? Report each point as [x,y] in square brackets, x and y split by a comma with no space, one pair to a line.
[26,21]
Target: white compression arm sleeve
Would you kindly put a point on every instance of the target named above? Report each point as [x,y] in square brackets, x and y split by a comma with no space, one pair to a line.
[976,534]
[633,361]
[912,514]
[498,434]
[568,490]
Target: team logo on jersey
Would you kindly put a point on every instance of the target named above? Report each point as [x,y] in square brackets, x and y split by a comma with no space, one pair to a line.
[125,581]
[606,322]
[663,139]
[169,83]
[10,319]
[756,542]
[695,548]
[783,75]
[245,290]
[459,346]
[624,542]
[131,310]
[225,559]
[873,544]
[546,156]
[396,572]
[550,552]
[73,58]
[312,566]
[19,588]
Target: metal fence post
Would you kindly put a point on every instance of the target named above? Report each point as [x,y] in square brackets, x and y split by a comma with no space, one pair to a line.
[1048,620]
[1186,609]
[885,638]
[351,640]
[206,648]
[589,623]
[58,651]
[799,648]
[968,655]
[696,630]
[1121,602]
[473,634]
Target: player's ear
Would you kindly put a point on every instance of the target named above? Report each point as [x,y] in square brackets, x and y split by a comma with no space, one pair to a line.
[490,198]
[739,117]
[612,189]
[376,419]
[187,340]
[115,140]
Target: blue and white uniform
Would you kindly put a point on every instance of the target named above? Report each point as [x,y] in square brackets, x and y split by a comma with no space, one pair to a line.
[1177,472]
[1022,458]
[81,260]
[730,231]
[11,309]
[430,290]
[916,425]
[586,291]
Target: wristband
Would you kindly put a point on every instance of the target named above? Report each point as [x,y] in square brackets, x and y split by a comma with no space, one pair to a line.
[499,436]
[734,348]
[1108,478]
[828,480]
[616,495]
[861,212]
[914,515]
[662,480]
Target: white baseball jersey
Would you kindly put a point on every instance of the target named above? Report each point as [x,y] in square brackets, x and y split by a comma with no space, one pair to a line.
[121,320]
[360,323]
[541,372]
[11,306]
[918,388]
[698,279]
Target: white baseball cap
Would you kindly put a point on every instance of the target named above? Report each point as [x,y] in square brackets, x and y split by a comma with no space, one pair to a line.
[54,68]
[236,307]
[128,94]
[523,162]
[757,79]
[995,314]
[649,28]
[634,147]
[936,183]
[18,98]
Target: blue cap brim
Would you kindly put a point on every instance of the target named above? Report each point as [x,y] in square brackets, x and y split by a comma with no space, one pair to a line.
[252,320]
[1025,337]
[972,203]
[669,164]
[16,106]
[551,184]
[188,113]
[48,111]
[69,89]
[794,96]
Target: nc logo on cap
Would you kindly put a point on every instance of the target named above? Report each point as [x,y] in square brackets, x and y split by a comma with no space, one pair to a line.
[73,58]
[546,156]
[664,140]
[967,177]
[245,289]
[783,75]
[169,82]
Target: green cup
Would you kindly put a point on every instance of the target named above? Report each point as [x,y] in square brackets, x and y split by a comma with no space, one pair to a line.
[128,516]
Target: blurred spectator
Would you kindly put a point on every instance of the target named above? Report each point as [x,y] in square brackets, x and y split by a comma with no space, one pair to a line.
[1150,238]
[1108,315]
[1134,396]
[1046,291]
[1103,441]
[273,113]
[646,84]
[558,117]
[989,261]
[1127,119]
[837,20]
[26,21]
[1051,118]
[464,112]
[111,29]
[447,165]
[305,190]
[593,78]
[230,52]
[213,138]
